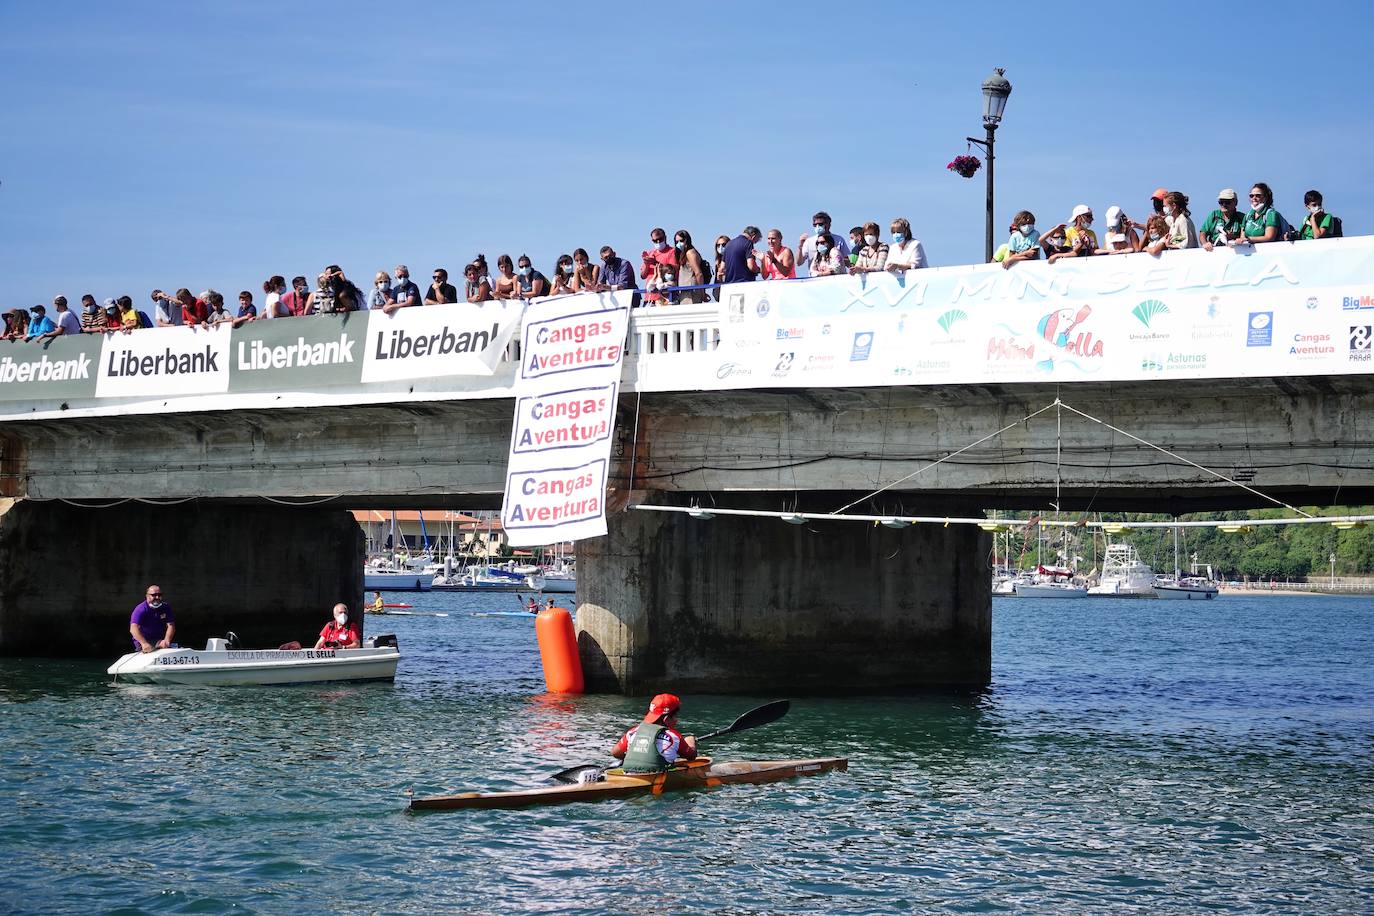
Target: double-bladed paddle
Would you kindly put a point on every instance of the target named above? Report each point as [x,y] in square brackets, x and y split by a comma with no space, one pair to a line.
[761,715]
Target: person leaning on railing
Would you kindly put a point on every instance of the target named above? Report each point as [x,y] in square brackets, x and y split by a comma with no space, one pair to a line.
[692,268]
[905,253]
[872,257]
[477,287]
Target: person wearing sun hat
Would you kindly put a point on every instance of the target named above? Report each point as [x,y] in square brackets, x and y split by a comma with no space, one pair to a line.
[1157,200]
[1224,224]
[655,744]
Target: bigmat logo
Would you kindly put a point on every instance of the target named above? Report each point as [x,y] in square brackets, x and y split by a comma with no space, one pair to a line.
[1353,303]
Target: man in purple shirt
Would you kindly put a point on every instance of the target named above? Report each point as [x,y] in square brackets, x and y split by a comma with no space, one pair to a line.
[616,273]
[152,625]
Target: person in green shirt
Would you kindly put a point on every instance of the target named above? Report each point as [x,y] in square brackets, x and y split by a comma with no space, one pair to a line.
[1319,224]
[1222,225]
[1263,221]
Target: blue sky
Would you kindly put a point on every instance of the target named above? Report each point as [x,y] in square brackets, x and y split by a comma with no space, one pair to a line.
[191,144]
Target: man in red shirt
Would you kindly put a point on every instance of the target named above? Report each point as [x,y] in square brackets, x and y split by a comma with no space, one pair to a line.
[655,744]
[339,633]
[193,311]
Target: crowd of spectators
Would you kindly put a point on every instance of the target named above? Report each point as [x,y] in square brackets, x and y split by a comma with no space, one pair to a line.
[1169,226]
[678,273]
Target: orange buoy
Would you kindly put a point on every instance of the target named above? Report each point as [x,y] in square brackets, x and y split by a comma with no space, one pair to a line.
[558,650]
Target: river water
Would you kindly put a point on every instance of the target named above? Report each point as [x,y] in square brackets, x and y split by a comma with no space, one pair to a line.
[1130,756]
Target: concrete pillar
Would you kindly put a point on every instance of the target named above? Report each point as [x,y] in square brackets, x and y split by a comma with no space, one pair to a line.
[752,605]
[72,575]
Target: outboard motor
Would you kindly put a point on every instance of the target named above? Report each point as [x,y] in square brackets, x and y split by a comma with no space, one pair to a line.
[381,641]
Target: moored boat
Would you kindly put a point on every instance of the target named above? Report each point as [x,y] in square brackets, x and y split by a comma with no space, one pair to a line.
[217,665]
[1123,575]
[698,774]
[1187,588]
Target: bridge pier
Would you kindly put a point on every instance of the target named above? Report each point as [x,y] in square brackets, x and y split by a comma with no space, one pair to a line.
[72,574]
[748,605]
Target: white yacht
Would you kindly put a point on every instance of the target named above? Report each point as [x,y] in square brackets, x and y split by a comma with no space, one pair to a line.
[1123,575]
[1051,582]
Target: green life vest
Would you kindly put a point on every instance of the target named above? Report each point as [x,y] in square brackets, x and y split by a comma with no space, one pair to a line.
[642,755]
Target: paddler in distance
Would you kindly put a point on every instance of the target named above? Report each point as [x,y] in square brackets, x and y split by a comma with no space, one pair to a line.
[655,744]
[378,605]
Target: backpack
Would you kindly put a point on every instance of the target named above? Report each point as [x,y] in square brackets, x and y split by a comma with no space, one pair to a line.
[1337,229]
[143,320]
[1286,230]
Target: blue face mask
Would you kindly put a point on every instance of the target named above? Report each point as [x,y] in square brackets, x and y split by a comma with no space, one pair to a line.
[524,271]
[681,246]
[899,237]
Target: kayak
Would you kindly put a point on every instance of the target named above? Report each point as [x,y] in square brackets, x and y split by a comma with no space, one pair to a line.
[413,614]
[504,614]
[697,774]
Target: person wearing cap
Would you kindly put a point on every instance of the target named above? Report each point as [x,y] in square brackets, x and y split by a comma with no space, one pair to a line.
[1224,224]
[1121,235]
[1157,200]
[110,316]
[655,744]
[40,325]
[64,321]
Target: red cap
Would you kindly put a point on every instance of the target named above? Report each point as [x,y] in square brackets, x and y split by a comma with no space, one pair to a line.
[1160,193]
[662,705]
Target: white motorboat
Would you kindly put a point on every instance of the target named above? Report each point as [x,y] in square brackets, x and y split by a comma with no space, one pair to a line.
[1123,575]
[217,665]
[560,578]
[486,579]
[1188,588]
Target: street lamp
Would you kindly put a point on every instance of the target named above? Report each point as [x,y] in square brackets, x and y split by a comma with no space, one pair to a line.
[1333,570]
[996,89]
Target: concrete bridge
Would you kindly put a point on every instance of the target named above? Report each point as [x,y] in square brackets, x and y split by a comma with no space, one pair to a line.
[929,394]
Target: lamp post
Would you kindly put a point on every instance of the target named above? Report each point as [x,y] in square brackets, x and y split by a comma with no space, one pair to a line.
[1333,570]
[996,88]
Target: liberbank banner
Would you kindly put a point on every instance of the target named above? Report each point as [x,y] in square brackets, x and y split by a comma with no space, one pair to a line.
[299,354]
[565,404]
[1304,308]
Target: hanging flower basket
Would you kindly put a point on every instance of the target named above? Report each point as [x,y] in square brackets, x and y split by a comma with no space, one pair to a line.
[967,166]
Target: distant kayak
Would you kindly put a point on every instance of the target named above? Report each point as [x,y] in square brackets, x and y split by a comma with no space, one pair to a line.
[698,774]
[414,614]
[504,614]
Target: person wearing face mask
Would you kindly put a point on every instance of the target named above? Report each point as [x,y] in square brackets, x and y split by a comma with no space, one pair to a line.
[1156,237]
[828,258]
[1182,232]
[1318,224]
[272,305]
[1121,234]
[93,320]
[476,286]
[562,276]
[1081,238]
[152,624]
[873,255]
[166,310]
[380,296]
[659,267]
[778,262]
[856,244]
[299,297]
[1223,225]
[905,253]
[111,316]
[718,272]
[506,286]
[692,269]
[404,292]
[1263,223]
[820,226]
[616,272]
[339,633]
[533,284]
[1024,244]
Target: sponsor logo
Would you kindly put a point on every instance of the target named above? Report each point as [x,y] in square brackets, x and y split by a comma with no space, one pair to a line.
[790,333]
[1186,361]
[1310,345]
[819,362]
[901,371]
[167,362]
[1146,311]
[784,364]
[1311,303]
[862,348]
[762,308]
[1354,303]
[1151,363]
[258,355]
[399,345]
[1259,331]
[743,342]
[735,307]
[930,365]
[45,370]
[1361,343]
[825,329]
[949,319]
[733,370]
[1063,329]
[1010,349]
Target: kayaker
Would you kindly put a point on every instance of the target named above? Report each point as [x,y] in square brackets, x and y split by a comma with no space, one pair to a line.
[655,744]
[533,607]
[339,633]
[152,625]
[378,605]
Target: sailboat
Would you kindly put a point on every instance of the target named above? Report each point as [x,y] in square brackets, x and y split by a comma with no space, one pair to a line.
[1052,581]
[1186,588]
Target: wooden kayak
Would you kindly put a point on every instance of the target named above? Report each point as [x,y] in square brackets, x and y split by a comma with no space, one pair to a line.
[698,774]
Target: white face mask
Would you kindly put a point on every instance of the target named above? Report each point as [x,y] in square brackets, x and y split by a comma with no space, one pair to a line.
[1028,228]
[341,619]
[155,602]
[1314,208]
[870,240]
[1168,210]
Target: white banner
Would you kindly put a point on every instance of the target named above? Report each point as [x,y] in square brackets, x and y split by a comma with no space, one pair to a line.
[462,339]
[171,361]
[566,394]
[1304,308]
